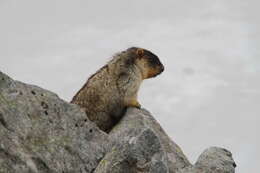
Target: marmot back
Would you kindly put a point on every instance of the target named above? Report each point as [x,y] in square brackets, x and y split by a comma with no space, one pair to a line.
[114,87]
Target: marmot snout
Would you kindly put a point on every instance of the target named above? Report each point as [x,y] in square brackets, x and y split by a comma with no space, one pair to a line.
[114,87]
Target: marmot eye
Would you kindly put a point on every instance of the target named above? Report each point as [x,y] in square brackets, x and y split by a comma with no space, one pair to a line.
[154,60]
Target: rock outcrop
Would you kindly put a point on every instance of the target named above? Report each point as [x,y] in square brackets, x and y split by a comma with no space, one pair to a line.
[41,133]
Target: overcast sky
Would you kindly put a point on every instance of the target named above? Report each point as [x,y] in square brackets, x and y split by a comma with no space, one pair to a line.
[209,93]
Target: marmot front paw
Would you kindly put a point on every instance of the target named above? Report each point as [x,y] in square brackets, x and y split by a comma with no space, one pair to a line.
[135,104]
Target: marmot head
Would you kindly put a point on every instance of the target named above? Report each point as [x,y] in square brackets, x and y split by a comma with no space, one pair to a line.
[146,61]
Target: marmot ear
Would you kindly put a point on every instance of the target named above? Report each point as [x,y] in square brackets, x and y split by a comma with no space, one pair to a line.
[140,52]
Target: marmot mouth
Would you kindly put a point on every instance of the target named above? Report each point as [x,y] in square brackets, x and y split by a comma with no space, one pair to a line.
[156,74]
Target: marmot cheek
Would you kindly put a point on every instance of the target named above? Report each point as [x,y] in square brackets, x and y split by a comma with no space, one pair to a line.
[152,73]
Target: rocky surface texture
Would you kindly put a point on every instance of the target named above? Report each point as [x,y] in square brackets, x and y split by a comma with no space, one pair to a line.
[41,133]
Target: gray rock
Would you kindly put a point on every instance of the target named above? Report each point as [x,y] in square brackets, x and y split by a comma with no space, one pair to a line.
[141,145]
[41,133]
[213,160]
[216,159]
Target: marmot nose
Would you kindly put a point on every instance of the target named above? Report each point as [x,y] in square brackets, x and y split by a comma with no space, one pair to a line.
[162,68]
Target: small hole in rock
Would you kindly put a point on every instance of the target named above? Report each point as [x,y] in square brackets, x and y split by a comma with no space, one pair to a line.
[46,112]
[44,105]
[33,92]
[42,95]
[3,78]
[90,130]
[21,93]
[76,125]
[234,165]
[85,120]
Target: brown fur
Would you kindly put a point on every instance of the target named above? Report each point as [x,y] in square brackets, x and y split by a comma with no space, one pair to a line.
[114,87]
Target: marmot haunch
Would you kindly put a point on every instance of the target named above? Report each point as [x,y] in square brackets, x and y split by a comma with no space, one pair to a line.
[113,88]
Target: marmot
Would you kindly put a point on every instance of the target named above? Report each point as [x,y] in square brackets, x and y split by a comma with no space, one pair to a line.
[107,93]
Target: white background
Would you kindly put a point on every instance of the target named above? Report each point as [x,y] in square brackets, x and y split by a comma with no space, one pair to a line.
[209,93]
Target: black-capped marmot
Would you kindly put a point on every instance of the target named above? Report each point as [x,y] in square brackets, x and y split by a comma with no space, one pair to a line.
[114,87]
